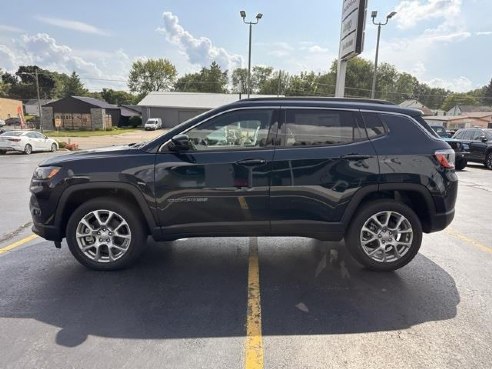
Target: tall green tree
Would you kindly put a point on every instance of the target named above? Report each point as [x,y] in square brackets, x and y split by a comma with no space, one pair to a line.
[239,79]
[210,79]
[118,97]
[487,94]
[74,87]
[458,99]
[151,75]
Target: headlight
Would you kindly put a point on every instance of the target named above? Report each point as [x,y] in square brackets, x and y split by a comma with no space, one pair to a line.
[466,147]
[45,172]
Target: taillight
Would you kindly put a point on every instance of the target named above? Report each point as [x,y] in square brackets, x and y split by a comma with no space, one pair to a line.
[14,139]
[445,158]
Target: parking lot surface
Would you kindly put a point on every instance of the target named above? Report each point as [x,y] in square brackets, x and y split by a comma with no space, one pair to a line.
[185,305]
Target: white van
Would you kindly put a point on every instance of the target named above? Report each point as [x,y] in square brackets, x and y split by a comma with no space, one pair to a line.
[153,124]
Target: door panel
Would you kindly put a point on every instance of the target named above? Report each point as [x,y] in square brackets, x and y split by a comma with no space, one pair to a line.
[221,185]
[312,186]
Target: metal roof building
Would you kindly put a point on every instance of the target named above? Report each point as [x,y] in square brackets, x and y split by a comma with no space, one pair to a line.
[176,107]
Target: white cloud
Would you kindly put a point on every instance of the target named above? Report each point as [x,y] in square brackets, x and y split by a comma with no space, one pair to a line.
[412,54]
[198,50]
[5,28]
[96,69]
[412,12]
[486,33]
[72,25]
[316,49]
[460,84]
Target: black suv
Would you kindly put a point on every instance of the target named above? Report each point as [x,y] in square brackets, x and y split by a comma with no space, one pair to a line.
[479,144]
[371,173]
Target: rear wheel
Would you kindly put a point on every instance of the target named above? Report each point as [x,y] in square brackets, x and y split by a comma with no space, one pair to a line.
[384,235]
[461,164]
[28,149]
[106,234]
[488,160]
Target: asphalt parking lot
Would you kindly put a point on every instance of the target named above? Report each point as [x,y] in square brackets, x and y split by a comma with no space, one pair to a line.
[185,305]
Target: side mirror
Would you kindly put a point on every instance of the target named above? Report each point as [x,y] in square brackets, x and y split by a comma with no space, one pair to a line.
[483,139]
[180,143]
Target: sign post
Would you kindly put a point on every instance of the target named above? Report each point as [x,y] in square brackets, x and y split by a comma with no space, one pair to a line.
[351,38]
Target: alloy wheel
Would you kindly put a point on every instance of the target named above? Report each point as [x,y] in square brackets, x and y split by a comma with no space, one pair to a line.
[103,236]
[386,236]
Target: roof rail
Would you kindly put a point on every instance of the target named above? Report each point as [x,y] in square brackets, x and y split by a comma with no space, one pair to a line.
[317,98]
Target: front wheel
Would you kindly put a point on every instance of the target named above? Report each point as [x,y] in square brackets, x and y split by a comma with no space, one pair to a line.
[106,234]
[488,160]
[54,147]
[384,235]
[28,149]
[461,164]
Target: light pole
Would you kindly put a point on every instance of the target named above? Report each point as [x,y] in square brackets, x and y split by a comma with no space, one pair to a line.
[39,99]
[374,14]
[258,17]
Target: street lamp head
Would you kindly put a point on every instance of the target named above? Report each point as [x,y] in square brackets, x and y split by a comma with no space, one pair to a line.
[243,14]
[374,14]
[391,15]
[259,16]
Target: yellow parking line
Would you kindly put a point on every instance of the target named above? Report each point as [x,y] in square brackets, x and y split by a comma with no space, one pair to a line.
[18,243]
[254,341]
[469,240]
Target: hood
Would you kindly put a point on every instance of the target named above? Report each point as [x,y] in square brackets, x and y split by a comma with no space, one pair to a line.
[91,154]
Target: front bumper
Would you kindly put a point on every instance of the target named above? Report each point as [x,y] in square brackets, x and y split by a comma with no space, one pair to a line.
[50,233]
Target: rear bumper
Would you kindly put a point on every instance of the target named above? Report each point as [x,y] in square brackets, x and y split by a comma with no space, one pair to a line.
[441,221]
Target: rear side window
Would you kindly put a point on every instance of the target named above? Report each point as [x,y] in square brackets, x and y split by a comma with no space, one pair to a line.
[317,127]
[374,125]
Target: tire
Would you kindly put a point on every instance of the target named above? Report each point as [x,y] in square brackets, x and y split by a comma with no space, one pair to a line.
[461,164]
[28,149]
[123,229]
[3,152]
[365,230]
[54,147]
[488,160]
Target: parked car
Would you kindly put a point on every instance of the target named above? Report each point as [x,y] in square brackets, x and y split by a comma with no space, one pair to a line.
[460,151]
[459,148]
[153,124]
[441,131]
[26,141]
[2,122]
[13,121]
[479,141]
[373,174]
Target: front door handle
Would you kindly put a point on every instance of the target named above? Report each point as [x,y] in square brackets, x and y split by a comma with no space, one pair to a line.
[251,162]
[355,157]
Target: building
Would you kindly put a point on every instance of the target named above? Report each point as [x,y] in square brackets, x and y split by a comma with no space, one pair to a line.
[482,120]
[78,112]
[31,106]
[466,109]
[176,107]
[10,108]
[415,104]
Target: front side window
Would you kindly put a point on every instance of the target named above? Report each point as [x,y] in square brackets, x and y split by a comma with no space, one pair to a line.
[315,127]
[240,129]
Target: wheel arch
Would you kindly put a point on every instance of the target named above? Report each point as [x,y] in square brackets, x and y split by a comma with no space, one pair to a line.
[76,195]
[415,196]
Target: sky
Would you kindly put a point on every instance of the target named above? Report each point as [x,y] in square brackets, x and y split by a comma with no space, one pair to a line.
[445,43]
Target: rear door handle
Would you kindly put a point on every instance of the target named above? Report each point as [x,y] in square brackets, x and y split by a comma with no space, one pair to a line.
[251,162]
[355,157]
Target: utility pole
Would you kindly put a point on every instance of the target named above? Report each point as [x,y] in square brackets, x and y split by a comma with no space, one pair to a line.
[374,14]
[258,17]
[39,103]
